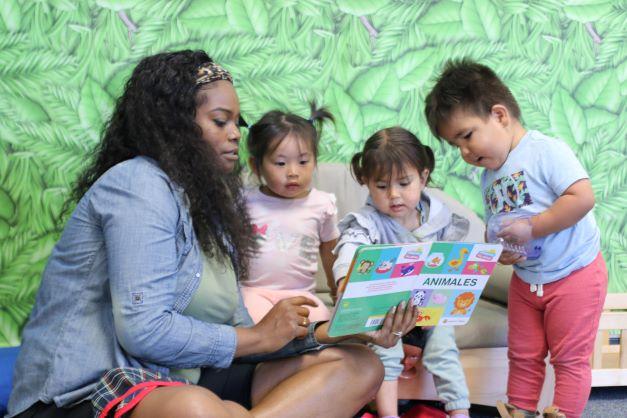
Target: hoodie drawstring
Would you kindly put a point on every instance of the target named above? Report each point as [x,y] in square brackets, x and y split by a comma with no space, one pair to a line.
[537,289]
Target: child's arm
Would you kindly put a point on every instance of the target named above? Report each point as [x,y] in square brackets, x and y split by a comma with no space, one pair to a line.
[566,211]
[328,258]
[576,201]
[352,236]
[344,256]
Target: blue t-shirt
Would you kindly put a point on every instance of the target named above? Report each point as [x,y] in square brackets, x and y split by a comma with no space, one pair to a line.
[534,175]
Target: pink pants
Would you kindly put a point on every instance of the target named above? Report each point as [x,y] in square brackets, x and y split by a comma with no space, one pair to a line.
[259,301]
[564,322]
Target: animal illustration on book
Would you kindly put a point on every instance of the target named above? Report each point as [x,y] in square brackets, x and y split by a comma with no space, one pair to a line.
[407,270]
[456,262]
[385,266]
[462,303]
[419,297]
[365,266]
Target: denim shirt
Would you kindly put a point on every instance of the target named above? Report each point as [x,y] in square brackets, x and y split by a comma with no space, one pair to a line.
[113,293]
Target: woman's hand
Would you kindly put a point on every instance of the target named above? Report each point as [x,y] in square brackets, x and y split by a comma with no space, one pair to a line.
[287,320]
[399,320]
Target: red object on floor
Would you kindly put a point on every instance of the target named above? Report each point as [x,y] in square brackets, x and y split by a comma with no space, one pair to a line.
[424,411]
[368,415]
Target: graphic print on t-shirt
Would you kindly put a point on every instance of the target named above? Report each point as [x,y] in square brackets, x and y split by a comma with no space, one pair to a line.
[508,193]
[285,241]
[259,231]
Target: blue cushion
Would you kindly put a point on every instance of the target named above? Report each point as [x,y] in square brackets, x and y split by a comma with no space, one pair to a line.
[7,363]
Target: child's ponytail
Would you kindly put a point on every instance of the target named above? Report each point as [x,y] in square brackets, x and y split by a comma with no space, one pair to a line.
[317,118]
[356,168]
[429,160]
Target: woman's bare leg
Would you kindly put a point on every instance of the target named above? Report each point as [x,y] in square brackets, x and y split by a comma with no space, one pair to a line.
[335,382]
[187,402]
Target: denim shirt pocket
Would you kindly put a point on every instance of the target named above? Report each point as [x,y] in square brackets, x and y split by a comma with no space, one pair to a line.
[184,238]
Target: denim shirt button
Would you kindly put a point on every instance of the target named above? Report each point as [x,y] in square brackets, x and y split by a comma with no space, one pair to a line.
[197,274]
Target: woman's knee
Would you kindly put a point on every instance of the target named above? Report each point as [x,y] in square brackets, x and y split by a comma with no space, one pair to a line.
[363,362]
[197,402]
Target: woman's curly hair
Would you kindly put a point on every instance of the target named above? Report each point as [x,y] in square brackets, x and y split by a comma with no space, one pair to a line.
[155,117]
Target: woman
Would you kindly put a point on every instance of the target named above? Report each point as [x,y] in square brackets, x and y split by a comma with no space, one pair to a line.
[141,289]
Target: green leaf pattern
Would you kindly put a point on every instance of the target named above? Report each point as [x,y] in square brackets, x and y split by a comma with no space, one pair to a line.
[567,117]
[63,64]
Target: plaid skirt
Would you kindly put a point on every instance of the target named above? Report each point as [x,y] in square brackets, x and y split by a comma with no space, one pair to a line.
[121,389]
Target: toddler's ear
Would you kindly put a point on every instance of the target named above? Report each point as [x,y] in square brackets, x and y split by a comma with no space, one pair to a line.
[425,175]
[500,113]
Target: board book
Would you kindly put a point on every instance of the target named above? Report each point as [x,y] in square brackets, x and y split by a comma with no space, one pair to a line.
[445,279]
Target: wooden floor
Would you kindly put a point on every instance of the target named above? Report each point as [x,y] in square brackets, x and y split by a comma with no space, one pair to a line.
[487,384]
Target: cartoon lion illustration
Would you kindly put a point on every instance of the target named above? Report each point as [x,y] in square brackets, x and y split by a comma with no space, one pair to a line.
[462,303]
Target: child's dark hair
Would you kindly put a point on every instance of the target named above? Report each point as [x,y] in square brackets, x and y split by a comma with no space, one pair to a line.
[268,133]
[467,85]
[389,150]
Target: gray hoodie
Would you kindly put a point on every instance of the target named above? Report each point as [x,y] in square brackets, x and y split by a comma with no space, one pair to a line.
[369,226]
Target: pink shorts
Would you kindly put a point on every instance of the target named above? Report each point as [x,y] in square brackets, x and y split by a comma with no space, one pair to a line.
[259,301]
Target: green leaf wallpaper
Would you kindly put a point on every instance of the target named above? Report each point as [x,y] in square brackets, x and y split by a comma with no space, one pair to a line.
[64,62]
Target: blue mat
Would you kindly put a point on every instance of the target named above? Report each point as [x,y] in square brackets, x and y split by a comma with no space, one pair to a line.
[7,363]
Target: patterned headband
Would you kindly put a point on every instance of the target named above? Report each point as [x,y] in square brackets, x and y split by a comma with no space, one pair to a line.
[210,72]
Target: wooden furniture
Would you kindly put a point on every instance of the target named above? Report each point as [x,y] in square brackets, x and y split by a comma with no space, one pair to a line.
[609,362]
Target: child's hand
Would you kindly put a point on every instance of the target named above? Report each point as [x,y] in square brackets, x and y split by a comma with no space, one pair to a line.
[336,293]
[518,231]
[333,294]
[509,258]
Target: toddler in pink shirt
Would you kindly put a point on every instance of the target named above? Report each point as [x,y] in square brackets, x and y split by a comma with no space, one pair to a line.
[293,222]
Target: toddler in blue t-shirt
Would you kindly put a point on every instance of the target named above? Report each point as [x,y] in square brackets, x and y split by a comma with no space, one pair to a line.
[556,294]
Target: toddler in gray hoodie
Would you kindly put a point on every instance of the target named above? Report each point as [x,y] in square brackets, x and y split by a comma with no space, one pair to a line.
[395,166]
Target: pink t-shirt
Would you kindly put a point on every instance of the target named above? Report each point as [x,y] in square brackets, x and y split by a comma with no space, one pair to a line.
[289,233]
